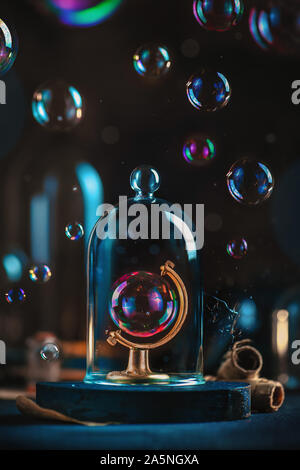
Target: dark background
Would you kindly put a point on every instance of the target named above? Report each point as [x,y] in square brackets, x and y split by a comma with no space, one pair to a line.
[153,119]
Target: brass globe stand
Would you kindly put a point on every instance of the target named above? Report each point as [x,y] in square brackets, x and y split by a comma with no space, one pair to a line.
[138,369]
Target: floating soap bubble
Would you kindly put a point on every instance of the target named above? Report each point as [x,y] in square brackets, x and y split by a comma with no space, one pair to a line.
[238,248]
[218,15]
[152,61]
[57,106]
[8,48]
[208,90]
[50,352]
[81,13]
[15,295]
[40,273]
[275,24]
[199,150]
[249,182]
[74,231]
[213,222]
[110,135]
[143,304]
[190,48]
[154,249]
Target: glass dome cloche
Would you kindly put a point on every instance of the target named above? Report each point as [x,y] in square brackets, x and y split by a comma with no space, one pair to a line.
[144,291]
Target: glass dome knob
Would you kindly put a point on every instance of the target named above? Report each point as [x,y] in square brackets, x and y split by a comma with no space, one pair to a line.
[144,180]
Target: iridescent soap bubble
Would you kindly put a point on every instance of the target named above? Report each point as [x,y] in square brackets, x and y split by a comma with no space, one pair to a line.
[238,248]
[50,352]
[81,13]
[40,273]
[57,106]
[152,61]
[218,15]
[208,90]
[74,231]
[143,304]
[8,47]
[16,295]
[250,182]
[275,24]
[199,150]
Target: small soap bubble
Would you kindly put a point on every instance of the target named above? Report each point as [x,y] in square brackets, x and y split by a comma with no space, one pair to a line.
[237,249]
[154,249]
[57,106]
[8,48]
[190,48]
[152,61]
[250,182]
[74,231]
[110,135]
[213,222]
[208,90]
[15,295]
[40,273]
[218,15]
[271,138]
[50,352]
[199,150]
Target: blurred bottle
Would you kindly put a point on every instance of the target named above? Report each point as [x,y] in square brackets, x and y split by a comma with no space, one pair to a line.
[286,338]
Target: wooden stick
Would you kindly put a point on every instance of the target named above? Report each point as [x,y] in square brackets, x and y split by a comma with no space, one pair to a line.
[30,408]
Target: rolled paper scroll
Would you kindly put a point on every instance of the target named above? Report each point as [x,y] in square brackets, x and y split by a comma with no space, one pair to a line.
[242,362]
[266,395]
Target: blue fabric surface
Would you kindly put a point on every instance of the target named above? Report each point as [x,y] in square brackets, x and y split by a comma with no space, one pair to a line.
[279,430]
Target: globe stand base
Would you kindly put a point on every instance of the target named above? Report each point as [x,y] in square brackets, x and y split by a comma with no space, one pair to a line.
[138,369]
[151,403]
[125,377]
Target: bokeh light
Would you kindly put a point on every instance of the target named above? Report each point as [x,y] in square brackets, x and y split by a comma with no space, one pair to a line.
[238,248]
[152,61]
[199,150]
[250,182]
[208,90]
[82,13]
[50,352]
[8,47]
[218,15]
[74,231]
[16,295]
[57,106]
[143,304]
[40,273]
[248,320]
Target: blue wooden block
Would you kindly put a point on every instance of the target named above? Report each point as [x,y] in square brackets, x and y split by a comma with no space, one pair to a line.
[212,401]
